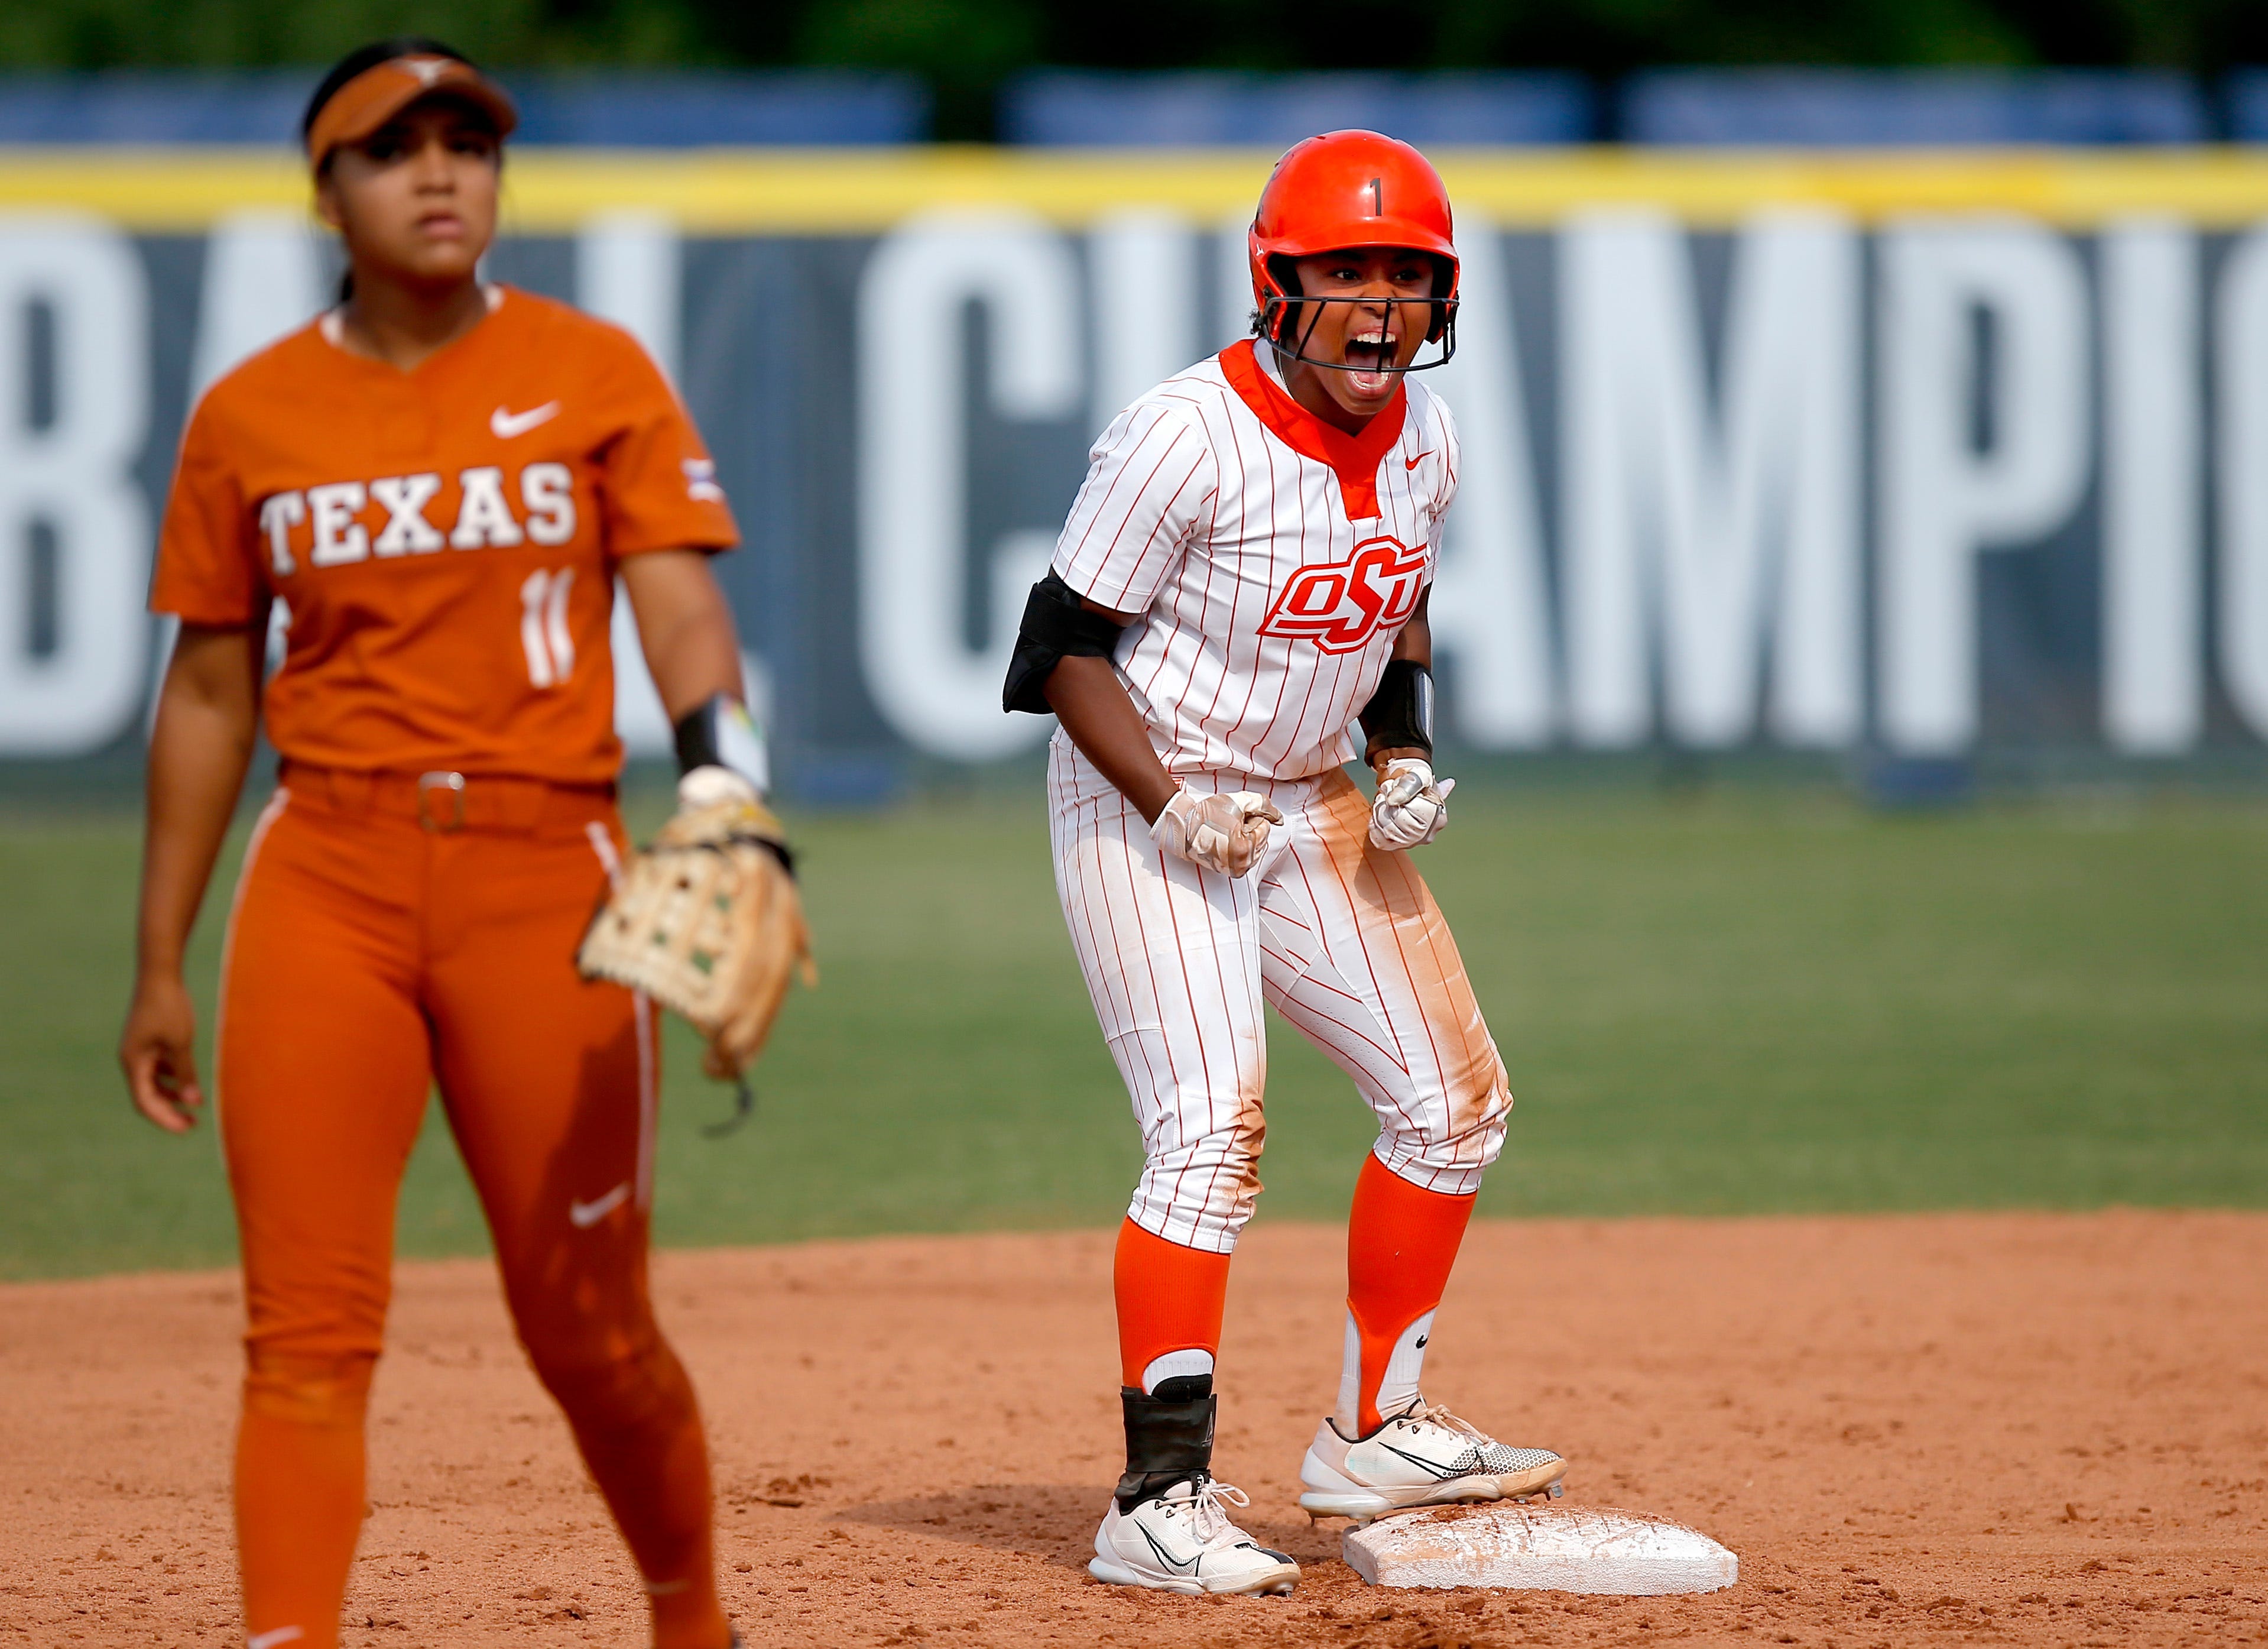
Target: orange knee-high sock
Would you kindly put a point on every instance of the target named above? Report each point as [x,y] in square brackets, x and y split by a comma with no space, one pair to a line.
[1169,1299]
[1402,1240]
[299,1475]
[638,1426]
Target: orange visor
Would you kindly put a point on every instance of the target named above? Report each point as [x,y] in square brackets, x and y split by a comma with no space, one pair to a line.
[379,92]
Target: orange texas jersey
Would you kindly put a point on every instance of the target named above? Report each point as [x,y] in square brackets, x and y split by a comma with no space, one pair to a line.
[443,540]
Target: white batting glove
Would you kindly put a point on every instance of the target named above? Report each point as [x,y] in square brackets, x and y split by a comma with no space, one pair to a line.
[1216,833]
[1411,806]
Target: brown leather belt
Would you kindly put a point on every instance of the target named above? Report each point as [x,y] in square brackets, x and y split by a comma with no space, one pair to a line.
[445,801]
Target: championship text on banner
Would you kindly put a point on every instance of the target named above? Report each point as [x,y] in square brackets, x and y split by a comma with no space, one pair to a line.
[1942,454]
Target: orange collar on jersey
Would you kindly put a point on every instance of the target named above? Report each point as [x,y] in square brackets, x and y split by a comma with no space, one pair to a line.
[1354,459]
[379,92]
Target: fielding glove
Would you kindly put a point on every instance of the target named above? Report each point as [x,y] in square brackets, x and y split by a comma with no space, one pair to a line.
[706,920]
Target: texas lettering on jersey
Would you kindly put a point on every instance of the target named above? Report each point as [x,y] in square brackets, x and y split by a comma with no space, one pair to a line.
[444,539]
[328,523]
[1341,605]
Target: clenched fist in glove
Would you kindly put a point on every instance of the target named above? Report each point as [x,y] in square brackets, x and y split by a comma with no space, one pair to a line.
[1216,832]
[1411,806]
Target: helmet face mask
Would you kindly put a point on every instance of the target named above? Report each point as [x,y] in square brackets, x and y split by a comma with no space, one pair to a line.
[1357,192]
[1278,320]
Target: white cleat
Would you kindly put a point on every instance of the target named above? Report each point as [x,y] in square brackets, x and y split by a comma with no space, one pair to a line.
[1423,1456]
[1181,1541]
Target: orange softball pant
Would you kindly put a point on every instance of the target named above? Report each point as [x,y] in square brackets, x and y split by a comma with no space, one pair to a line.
[372,956]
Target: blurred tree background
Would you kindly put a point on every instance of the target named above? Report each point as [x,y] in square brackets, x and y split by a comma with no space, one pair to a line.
[965,48]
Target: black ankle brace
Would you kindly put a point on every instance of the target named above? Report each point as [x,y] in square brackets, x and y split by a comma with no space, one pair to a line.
[1169,1435]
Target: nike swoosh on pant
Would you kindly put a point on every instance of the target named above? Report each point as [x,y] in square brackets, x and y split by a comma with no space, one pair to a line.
[274,1640]
[503,425]
[583,1215]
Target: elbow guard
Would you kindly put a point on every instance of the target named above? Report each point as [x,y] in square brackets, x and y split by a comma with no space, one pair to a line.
[1400,714]
[722,733]
[1056,627]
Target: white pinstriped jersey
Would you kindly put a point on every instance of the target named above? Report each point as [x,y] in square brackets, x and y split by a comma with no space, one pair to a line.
[1272,560]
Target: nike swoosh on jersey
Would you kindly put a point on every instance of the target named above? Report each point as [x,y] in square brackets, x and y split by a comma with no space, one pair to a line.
[503,425]
[583,1215]
[1411,463]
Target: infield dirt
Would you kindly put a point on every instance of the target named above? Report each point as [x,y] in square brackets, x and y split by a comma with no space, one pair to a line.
[2012,1429]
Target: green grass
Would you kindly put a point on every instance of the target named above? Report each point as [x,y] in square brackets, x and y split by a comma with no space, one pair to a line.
[1753,1002]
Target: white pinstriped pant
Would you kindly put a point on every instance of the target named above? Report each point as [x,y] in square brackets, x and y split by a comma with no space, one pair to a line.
[1340,938]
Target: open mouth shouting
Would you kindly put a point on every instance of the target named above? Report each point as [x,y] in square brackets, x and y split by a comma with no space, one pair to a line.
[1372,357]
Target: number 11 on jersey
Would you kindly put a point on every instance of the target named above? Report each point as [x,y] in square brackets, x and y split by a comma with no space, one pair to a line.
[543,627]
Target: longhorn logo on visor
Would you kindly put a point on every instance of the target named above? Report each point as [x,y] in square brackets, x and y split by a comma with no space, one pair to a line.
[1340,605]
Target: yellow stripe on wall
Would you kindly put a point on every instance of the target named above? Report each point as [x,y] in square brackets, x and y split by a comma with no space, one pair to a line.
[806,191]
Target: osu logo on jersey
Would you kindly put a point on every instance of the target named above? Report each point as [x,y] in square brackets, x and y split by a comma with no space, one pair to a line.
[1341,605]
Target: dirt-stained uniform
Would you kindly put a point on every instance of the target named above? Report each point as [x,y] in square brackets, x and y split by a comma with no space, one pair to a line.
[1273,560]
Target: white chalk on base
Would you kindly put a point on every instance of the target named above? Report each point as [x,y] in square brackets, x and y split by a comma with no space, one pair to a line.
[1551,1548]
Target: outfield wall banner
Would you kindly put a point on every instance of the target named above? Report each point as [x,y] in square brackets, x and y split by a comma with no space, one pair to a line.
[1937,455]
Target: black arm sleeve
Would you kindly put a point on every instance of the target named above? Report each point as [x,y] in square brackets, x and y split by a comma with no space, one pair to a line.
[1400,714]
[1056,627]
[720,733]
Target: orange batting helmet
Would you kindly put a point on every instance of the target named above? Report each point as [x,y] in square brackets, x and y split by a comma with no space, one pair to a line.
[1351,189]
